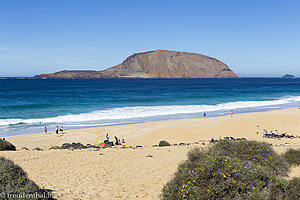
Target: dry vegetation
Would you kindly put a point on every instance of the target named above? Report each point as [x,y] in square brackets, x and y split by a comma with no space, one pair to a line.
[233,170]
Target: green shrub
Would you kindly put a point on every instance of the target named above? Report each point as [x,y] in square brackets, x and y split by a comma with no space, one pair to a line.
[164,143]
[6,146]
[13,180]
[216,174]
[292,156]
[255,152]
[284,189]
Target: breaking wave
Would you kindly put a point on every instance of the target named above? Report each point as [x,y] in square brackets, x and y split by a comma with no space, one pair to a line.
[147,111]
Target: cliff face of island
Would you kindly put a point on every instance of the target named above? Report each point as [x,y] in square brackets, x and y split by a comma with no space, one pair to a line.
[156,64]
[288,76]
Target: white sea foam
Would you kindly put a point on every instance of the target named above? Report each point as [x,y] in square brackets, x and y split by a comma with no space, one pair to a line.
[148,111]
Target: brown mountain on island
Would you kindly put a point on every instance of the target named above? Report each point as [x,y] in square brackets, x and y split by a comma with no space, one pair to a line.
[288,76]
[156,64]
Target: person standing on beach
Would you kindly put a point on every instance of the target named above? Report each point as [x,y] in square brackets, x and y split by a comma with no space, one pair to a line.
[265,132]
[107,136]
[204,115]
[257,129]
[117,140]
[56,130]
[46,130]
[231,113]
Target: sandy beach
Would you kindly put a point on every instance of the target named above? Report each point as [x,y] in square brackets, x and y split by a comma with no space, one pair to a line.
[117,173]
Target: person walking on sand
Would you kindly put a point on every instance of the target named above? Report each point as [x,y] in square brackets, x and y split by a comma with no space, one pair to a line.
[107,136]
[257,129]
[56,130]
[231,113]
[46,130]
[204,115]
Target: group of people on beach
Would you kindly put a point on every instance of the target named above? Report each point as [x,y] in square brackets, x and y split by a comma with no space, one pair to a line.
[265,131]
[57,129]
[117,140]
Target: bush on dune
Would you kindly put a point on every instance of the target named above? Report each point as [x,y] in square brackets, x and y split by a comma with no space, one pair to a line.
[292,156]
[232,170]
[6,146]
[260,153]
[13,180]
[284,189]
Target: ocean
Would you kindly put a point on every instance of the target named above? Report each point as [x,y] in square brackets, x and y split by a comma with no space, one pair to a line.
[28,105]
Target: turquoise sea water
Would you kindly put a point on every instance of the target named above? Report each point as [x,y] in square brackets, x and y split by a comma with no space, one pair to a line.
[28,105]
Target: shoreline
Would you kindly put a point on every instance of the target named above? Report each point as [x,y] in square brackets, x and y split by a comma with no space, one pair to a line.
[133,133]
[140,114]
[163,118]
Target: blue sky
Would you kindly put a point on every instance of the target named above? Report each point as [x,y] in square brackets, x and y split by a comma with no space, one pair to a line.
[254,38]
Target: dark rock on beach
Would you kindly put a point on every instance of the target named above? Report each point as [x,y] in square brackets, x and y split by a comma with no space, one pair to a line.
[72,146]
[239,139]
[164,143]
[54,147]
[38,149]
[213,141]
[278,136]
[229,138]
[78,145]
